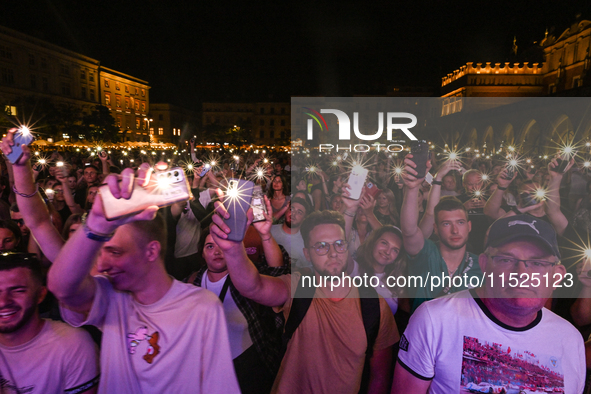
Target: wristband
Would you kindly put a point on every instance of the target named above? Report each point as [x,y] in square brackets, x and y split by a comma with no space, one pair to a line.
[437,183]
[94,235]
[501,188]
[25,195]
[349,214]
[266,239]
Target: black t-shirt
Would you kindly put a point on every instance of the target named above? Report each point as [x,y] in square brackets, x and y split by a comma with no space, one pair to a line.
[480,224]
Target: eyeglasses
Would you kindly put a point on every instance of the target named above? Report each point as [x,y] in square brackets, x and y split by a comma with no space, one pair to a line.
[20,222]
[58,191]
[533,265]
[322,248]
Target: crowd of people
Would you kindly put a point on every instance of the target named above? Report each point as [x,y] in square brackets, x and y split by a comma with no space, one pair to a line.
[168,300]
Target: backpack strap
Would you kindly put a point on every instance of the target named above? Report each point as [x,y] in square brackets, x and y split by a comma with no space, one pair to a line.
[370,313]
[299,307]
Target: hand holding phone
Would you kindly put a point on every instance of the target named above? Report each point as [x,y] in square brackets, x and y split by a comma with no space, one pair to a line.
[237,199]
[259,208]
[356,182]
[420,156]
[22,136]
[163,188]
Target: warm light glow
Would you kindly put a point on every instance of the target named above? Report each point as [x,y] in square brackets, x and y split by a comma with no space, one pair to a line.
[59,164]
[42,161]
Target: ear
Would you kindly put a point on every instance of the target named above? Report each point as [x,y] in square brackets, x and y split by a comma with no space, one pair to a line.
[153,250]
[470,227]
[482,260]
[41,294]
[560,269]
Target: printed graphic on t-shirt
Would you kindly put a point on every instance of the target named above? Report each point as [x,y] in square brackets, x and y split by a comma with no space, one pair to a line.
[489,367]
[141,334]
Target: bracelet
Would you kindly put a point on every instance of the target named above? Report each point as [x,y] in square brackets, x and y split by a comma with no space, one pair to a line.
[90,234]
[266,239]
[501,188]
[26,195]
[349,214]
[437,183]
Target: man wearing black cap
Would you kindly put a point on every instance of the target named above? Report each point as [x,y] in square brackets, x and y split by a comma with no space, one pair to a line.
[501,337]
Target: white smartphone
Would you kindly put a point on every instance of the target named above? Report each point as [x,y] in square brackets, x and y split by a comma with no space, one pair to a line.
[165,188]
[356,181]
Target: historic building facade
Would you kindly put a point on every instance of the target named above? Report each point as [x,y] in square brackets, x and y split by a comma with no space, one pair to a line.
[564,72]
[33,67]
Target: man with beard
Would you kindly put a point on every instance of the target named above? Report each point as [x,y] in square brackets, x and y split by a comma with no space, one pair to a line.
[328,348]
[38,355]
[288,234]
[449,257]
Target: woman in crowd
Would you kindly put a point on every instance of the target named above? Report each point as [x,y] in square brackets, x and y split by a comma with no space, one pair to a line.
[381,255]
[279,195]
[385,209]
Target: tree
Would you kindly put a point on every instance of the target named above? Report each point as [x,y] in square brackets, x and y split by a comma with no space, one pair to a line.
[99,125]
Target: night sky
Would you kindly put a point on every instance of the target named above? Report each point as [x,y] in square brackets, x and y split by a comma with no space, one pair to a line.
[195,51]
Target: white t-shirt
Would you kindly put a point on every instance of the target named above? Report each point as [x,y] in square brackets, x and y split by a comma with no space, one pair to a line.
[237,325]
[474,348]
[59,359]
[293,244]
[179,344]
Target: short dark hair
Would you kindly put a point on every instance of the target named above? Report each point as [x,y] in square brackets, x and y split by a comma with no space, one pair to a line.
[303,203]
[449,203]
[93,167]
[11,260]
[12,226]
[153,230]
[14,208]
[317,218]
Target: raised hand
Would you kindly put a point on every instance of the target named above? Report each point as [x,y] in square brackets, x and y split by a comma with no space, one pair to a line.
[8,142]
[409,174]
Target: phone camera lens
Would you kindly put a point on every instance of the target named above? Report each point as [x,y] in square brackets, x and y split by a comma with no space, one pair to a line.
[169,174]
[176,173]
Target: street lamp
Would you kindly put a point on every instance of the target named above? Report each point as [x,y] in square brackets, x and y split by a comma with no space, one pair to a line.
[150,136]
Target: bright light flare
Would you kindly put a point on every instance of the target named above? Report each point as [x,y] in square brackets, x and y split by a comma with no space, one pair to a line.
[540,194]
[24,130]
[59,164]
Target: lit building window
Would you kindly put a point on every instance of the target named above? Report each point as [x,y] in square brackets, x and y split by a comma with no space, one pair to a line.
[106,83]
[107,99]
[160,130]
